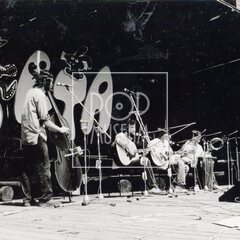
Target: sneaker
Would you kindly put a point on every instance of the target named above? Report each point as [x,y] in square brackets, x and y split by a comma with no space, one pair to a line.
[45,198]
[155,190]
[26,202]
[30,202]
[180,189]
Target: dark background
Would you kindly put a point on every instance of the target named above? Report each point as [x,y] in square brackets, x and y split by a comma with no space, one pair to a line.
[179,38]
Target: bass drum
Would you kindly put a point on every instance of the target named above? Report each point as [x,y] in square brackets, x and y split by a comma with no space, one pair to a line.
[158,154]
[124,150]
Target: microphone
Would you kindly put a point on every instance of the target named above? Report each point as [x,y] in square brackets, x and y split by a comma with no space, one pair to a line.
[230,134]
[63,85]
[204,131]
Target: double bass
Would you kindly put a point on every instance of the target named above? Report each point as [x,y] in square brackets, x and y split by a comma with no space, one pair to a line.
[67,167]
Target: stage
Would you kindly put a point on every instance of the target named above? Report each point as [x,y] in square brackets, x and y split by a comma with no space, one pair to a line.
[190,216]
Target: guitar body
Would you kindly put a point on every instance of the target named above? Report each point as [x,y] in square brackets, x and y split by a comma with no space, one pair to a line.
[158,154]
[126,150]
[192,152]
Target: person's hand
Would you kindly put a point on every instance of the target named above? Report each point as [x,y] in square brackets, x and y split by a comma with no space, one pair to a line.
[65,130]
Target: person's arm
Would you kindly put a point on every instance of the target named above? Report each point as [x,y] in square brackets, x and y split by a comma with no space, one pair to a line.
[54,128]
[44,118]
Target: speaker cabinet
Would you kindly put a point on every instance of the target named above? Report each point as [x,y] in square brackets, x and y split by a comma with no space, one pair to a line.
[232,195]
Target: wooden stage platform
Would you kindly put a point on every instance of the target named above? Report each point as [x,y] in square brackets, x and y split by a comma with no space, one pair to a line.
[134,217]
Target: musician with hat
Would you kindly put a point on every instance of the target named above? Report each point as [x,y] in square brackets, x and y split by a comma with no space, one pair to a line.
[34,121]
[128,142]
[161,148]
[192,150]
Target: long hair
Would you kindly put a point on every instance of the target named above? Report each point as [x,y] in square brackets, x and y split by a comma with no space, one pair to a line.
[43,79]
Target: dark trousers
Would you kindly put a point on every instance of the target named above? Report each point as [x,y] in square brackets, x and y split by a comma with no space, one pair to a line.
[36,168]
[151,181]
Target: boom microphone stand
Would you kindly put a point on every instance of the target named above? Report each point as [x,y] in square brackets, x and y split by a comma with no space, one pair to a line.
[145,137]
[100,129]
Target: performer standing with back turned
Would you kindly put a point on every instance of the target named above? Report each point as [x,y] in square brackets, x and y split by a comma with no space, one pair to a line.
[34,120]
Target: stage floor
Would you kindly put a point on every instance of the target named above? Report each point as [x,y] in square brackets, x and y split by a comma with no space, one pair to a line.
[135,217]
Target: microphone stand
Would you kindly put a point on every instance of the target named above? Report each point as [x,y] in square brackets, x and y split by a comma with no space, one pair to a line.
[144,169]
[99,164]
[100,128]
[237,158]
[86,198]
[145,137]
[194,165]
[205,146]
[183,125]
[230,162]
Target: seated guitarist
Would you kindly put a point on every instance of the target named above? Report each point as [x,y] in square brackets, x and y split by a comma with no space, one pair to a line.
[164,148]
[129,144]
[192,150]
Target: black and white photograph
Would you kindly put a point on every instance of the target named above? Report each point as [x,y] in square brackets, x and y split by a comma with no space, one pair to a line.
[119,119]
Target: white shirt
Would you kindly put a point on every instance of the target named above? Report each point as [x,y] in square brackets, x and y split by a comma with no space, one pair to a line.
[35,112]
